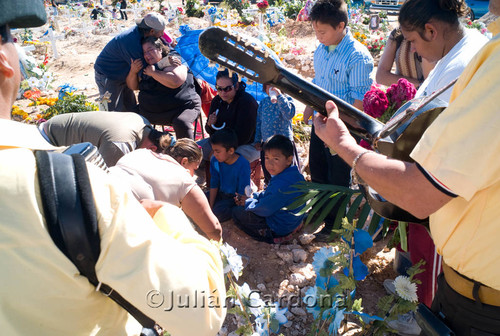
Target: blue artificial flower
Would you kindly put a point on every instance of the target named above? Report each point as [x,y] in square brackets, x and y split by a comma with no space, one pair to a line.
[277,318]
[261,326]
[311,301]
[367,318]
[360,270]
[66,89]
[321,257]
[212,10]
[326,283]
[362,242]
[334,326]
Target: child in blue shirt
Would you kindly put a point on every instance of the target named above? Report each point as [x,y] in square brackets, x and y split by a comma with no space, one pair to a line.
[262,217]
[230,173]
[274,116]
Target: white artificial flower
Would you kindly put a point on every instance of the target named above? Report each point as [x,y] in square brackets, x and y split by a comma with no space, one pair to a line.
[232,260]
[32,82]
[251,299]
[405,288]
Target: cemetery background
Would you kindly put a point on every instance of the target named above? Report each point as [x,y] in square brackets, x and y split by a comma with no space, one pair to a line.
[281,272]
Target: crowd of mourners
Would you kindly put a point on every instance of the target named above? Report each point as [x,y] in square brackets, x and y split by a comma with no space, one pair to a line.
[154,221]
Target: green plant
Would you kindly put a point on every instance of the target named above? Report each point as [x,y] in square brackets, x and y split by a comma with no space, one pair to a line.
[193,9]
[319,200]
[68,104]
[292,8]
[238,5]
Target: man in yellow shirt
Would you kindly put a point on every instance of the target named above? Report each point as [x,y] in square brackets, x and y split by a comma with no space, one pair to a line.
[158,263]
[456,181]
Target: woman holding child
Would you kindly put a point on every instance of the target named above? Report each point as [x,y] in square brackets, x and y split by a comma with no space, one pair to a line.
[167,93]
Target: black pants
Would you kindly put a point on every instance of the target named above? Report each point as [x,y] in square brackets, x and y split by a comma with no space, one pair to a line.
[123,15]
[464,316]
[327,169]
[181,119]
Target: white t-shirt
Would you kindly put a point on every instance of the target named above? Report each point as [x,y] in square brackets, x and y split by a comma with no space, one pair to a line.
[154,176]
[452,64]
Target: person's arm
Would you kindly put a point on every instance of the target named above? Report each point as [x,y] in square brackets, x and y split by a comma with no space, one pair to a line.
[286,106]
[171,77]
[212,196]
[197,207]
[212,118]
[308,112]
[384,74]
[246,119]
[359,78]
[132,77]
[401,183]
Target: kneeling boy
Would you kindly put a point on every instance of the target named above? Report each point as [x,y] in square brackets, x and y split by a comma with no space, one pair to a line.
[230,173]
[263,216]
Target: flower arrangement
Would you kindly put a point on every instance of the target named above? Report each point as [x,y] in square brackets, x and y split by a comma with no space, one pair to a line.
[263,6]
[479,26]
[382,104]
[337,269]
[255,317]
[193,9]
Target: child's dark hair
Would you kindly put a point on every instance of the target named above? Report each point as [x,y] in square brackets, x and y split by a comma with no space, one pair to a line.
[226,137]
[157,138]
[281,143]
[414,14]
[331,12]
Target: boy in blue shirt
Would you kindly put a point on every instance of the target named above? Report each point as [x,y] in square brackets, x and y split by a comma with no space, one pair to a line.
[262,217]
[230,173]
[342,66]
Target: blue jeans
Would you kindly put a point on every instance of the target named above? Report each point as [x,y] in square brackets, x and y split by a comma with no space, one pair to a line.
[253,225]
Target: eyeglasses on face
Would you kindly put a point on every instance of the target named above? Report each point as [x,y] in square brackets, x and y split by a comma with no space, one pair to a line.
[225,89]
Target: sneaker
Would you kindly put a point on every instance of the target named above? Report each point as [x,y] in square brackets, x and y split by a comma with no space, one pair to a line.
[389,286]
[405,325]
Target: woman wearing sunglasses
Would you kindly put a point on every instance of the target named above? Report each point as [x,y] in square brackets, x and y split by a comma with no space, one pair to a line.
[167,94]
[232,108]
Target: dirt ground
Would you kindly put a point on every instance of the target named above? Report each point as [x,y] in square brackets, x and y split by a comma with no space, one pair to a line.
[278,271]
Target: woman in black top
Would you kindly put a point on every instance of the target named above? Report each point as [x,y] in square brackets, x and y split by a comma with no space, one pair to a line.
[236,109]
[167,93]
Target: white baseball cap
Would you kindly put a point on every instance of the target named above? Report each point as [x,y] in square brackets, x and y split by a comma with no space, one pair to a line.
[152,20]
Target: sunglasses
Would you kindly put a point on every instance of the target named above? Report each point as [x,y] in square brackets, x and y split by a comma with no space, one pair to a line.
[225,89]
[6,36]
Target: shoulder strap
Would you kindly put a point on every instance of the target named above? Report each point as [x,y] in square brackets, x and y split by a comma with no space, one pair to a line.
[70,213]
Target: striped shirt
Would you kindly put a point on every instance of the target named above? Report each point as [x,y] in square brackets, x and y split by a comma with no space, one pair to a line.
[345,71]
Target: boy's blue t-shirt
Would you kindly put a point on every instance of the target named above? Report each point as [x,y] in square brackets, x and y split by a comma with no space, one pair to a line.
[270,202]
[230,179]
[114,59]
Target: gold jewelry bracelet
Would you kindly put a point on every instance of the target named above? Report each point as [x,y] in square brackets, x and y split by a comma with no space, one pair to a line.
[355,178]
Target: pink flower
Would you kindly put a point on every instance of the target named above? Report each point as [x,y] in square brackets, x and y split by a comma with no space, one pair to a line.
[375,102]
[400,93]
[365,144]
